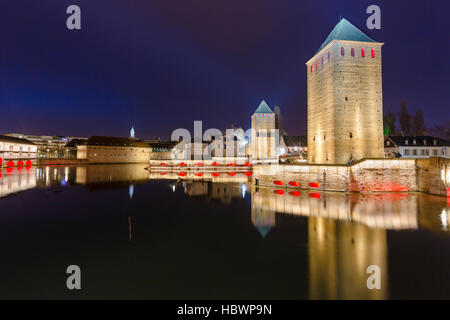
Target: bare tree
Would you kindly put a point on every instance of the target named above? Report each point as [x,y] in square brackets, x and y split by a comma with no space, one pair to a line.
[404,118]
[441,130]
[389,123]
[418,124]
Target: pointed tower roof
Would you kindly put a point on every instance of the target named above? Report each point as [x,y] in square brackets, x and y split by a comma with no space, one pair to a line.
[344,30]
[263,108]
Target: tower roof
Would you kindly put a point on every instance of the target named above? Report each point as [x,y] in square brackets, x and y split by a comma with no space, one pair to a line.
[263,108]
[344,30]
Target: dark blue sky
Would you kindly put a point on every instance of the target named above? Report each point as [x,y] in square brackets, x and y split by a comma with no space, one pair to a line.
[161,64]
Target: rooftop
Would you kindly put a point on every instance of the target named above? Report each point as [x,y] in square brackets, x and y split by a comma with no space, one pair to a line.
[263,108]
[420,141]
[344,30]
[15,140]
[114,141]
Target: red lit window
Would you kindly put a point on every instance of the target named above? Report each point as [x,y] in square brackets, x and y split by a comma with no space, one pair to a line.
[317,64]
[353,52]
[342,51]
[372,53]
[362,53]
[311,68]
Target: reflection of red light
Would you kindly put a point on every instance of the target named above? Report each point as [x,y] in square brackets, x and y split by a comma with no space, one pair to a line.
[182,164]
[294,193]
[163,173]
[215,163]
[390,186]
[199,174]
[9,170]
[248,164]
[280,192]
[199,164]
[232,164]
[448,192]
[232,174]
[1,160]
[278,182]
[294,183]
[215,174]
[314,185]
[27,167]
[182,174]
[163,164]
[248,173]
[28,163]
[10,164]
[314,195]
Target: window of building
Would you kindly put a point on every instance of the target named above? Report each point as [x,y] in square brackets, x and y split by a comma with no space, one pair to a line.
[363,54]
[422,152]
[346,98]
[372,53]
[324,137]
[435,142]
[407,152]
[414,152]
[311,68]
[388,143]
[427,152]
[353,52]
[342,51]
[351,135]
[435,152]
[317,64]
[314,138]
[414,141]
[406,141]
[328,55]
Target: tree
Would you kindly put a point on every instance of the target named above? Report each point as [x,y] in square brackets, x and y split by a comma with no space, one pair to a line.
[389,123]
[405,119]
[418,124]
[442,130]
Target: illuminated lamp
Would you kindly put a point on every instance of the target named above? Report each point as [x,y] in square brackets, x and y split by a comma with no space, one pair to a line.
[182,174]
[163,173]
[232,174]
[199,174]
[363,53]
[314,185]
[317,64]
[20,163]
[10,164]
[294,193]
[278,182]
[294,183]
[372,53]
[248,173]
[215,163]
[1,160]
[28,163]
[163,164]
[279,192]
[314,195]
[232,164]
[248,164]
[182,164]
[311,68]
[448,192]
[215,174]
[199,164]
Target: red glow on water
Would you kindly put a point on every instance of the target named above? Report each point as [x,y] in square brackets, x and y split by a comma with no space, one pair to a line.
[279,192]
[1,160]
[232,174]
[278,182]
[163,164]
[182,164]
[232,164]
[199,174]
[163,173]
[294,183]
[448,192]
[10,164]
[294,193]
[182,174]
[9,170]
[314,185]
[390,186]
[199,164]
[215,163]
[248,173]
[215,174]
[314,195]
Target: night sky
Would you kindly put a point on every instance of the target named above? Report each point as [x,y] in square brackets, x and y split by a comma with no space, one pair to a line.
[161,64]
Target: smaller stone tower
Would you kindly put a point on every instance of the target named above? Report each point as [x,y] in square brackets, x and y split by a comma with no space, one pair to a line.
[264,137]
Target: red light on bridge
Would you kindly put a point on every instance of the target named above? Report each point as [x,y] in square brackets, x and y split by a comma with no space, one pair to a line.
[232,164]
[215,163]
[199,164]
[10,164]
[278,182]
[232,174]
[248,173]
[248,164]
[199,174]
[163,164]
[314,185]
[294,193]
[314,195]
[182,164]
[215,174]
[182,174]
[163,173]
[28,163]
[20,163]
[294,183]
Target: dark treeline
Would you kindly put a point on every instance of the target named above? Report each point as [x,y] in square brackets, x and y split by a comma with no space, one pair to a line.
[412,124]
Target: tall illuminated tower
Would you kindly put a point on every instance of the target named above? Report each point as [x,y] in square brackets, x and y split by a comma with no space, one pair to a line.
[345,107]
[264,137]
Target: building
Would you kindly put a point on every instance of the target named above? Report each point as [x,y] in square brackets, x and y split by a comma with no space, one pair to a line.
[294,146]
[416,147]
[49,147]
[162,150]
[114,150]
[344,88]
[265,136]
[16,151]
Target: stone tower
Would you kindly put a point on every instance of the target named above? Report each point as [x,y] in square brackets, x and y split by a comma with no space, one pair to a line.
[345,108]
[264,137]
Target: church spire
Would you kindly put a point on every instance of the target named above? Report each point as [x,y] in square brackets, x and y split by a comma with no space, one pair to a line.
[132,132]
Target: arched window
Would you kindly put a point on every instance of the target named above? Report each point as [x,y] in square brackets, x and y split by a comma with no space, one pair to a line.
[353,52]
[350,135]
[363,54]
[372,53]
[311,68]
[342,51]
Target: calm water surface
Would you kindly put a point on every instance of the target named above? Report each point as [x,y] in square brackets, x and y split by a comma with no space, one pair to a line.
[145,235]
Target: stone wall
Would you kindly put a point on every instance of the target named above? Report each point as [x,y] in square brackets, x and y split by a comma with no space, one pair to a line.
[370,175]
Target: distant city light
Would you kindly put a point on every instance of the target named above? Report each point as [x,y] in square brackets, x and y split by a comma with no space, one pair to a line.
[444,219]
